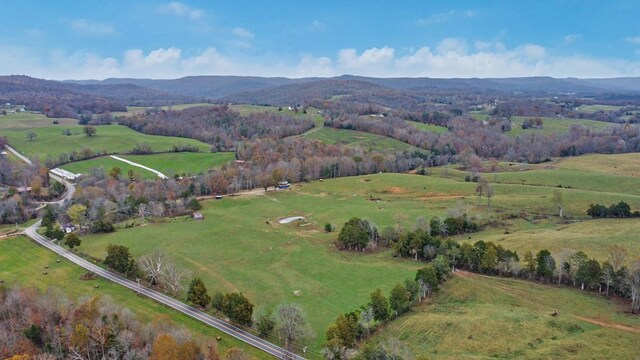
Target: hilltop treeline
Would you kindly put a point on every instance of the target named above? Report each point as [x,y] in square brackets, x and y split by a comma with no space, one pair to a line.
[54,99]
[220,126]
[36,325]
[489,141]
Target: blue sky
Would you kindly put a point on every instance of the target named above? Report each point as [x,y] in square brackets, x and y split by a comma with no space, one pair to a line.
[67,39]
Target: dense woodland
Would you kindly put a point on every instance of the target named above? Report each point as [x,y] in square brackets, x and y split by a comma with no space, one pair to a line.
[220,126]
[47,326]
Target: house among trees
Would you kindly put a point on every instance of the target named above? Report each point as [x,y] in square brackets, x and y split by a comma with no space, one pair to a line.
[68,228]
[198,216]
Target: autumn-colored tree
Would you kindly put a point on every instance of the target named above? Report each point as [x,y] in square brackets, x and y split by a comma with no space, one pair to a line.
[165,347]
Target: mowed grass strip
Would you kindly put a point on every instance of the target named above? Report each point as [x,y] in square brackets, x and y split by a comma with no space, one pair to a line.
[22,262]
[50,142]
[483,317]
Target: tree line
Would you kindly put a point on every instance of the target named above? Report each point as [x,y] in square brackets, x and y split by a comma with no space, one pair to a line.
[46,325]
[219,126]
[356,326]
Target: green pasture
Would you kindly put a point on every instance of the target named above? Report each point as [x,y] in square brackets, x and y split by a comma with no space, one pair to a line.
[22,262]
[182,163]
[552,125]
[50,141]
[358,138]
[479,317]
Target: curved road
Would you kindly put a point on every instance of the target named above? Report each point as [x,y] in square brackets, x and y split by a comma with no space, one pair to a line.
[237,333]
[163,299]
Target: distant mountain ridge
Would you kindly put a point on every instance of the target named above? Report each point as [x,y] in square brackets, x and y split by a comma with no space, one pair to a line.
[286,91]
[250,88]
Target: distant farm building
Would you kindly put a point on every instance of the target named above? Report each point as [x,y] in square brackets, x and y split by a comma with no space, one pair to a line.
[198,216]
[67,175]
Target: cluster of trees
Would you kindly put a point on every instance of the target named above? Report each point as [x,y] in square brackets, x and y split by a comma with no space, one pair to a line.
[20,186]
[37,325]
[288,321]
[220,126]
[350,328]
[421,244]
[619,210]
[533,123]
[358,234]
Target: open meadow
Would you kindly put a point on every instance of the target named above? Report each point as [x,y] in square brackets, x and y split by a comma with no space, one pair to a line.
[49,141]
[358,138]
[240,245]
[22,263]
[476,316]
[167,163]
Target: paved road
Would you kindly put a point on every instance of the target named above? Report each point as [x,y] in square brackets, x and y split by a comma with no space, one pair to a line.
[164,299]
[71,189]
[16,153]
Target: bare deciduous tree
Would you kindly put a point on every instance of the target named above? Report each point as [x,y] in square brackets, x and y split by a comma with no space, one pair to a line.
[291,324]
[617,255]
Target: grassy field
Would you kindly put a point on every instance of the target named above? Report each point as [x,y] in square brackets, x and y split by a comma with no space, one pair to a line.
[107,163]
[358,138]
[167,163]
[480,317]
[428,127]
[29,120]
[182,163]
[553,125]
[135,110]
[22,262]
[50,142]
[240,246]
[593,108]
[523,206]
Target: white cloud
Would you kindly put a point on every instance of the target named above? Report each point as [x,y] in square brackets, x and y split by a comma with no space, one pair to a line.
[447,59]
[180,9]
[317,25]
[452,46]
[571,38]
[633,39]
[438,18]
[349,58]
[85,27]
[242,33]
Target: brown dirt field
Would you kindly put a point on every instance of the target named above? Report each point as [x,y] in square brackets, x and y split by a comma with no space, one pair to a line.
[395,190]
